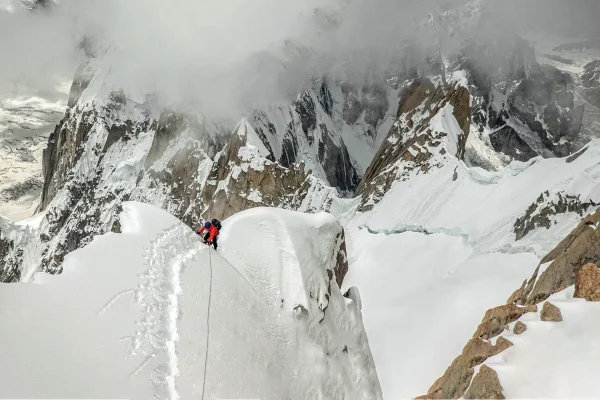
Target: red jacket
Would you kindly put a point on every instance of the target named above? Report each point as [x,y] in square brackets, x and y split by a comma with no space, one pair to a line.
[213,232]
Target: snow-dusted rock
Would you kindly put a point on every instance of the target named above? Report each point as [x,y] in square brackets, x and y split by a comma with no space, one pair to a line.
[496,319]
[334,128]
[457,378]
[10,256]
[432,125]
[560,266]
[544,211]
[242,178]
[591,82]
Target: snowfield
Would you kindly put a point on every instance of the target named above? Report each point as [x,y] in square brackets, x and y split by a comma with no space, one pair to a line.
[423,297]
[436,253]
[152,312]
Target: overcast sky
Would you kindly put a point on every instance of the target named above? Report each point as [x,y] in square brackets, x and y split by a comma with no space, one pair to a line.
[226,51]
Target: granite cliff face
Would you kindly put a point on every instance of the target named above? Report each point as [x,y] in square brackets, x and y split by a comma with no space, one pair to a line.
[109,148]
[338,139]
[521,107]
[432,124]
[333,128]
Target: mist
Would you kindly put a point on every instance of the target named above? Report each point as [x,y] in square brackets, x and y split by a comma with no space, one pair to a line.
[37,51]
[236,54]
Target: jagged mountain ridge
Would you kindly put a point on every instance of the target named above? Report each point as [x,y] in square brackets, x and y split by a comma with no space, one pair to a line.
[330,129]
[334,129]
[522,106]
[109,148]
[445,118]
[432,122]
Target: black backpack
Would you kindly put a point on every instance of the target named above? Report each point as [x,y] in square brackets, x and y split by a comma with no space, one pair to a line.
[216,223]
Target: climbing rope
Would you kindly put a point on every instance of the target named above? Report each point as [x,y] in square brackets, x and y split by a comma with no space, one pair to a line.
[210,252]
[237,271]
[207,320]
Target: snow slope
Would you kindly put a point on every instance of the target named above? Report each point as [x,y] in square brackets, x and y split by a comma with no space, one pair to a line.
[422,296]
[482,206]
[133,313]
[559,357]
[436,253]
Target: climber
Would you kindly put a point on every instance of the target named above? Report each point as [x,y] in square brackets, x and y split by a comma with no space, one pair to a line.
[212,232]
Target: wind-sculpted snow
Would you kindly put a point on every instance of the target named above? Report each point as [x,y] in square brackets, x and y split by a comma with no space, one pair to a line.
[133,309]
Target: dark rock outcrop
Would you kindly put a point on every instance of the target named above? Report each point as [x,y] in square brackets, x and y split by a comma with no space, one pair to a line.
[496,319]
[305,107]
[311,129]
[507,141]
[11,257]
[455,381]
[457,378]
[539,214]
[63,152]
[233,179]
[370,101]
[510,87]
[580,247]
[336,163]
[176,175]
[341,257]
[64,144]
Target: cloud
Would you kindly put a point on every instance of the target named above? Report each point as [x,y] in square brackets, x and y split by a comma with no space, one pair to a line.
[232,54]
[35,50]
